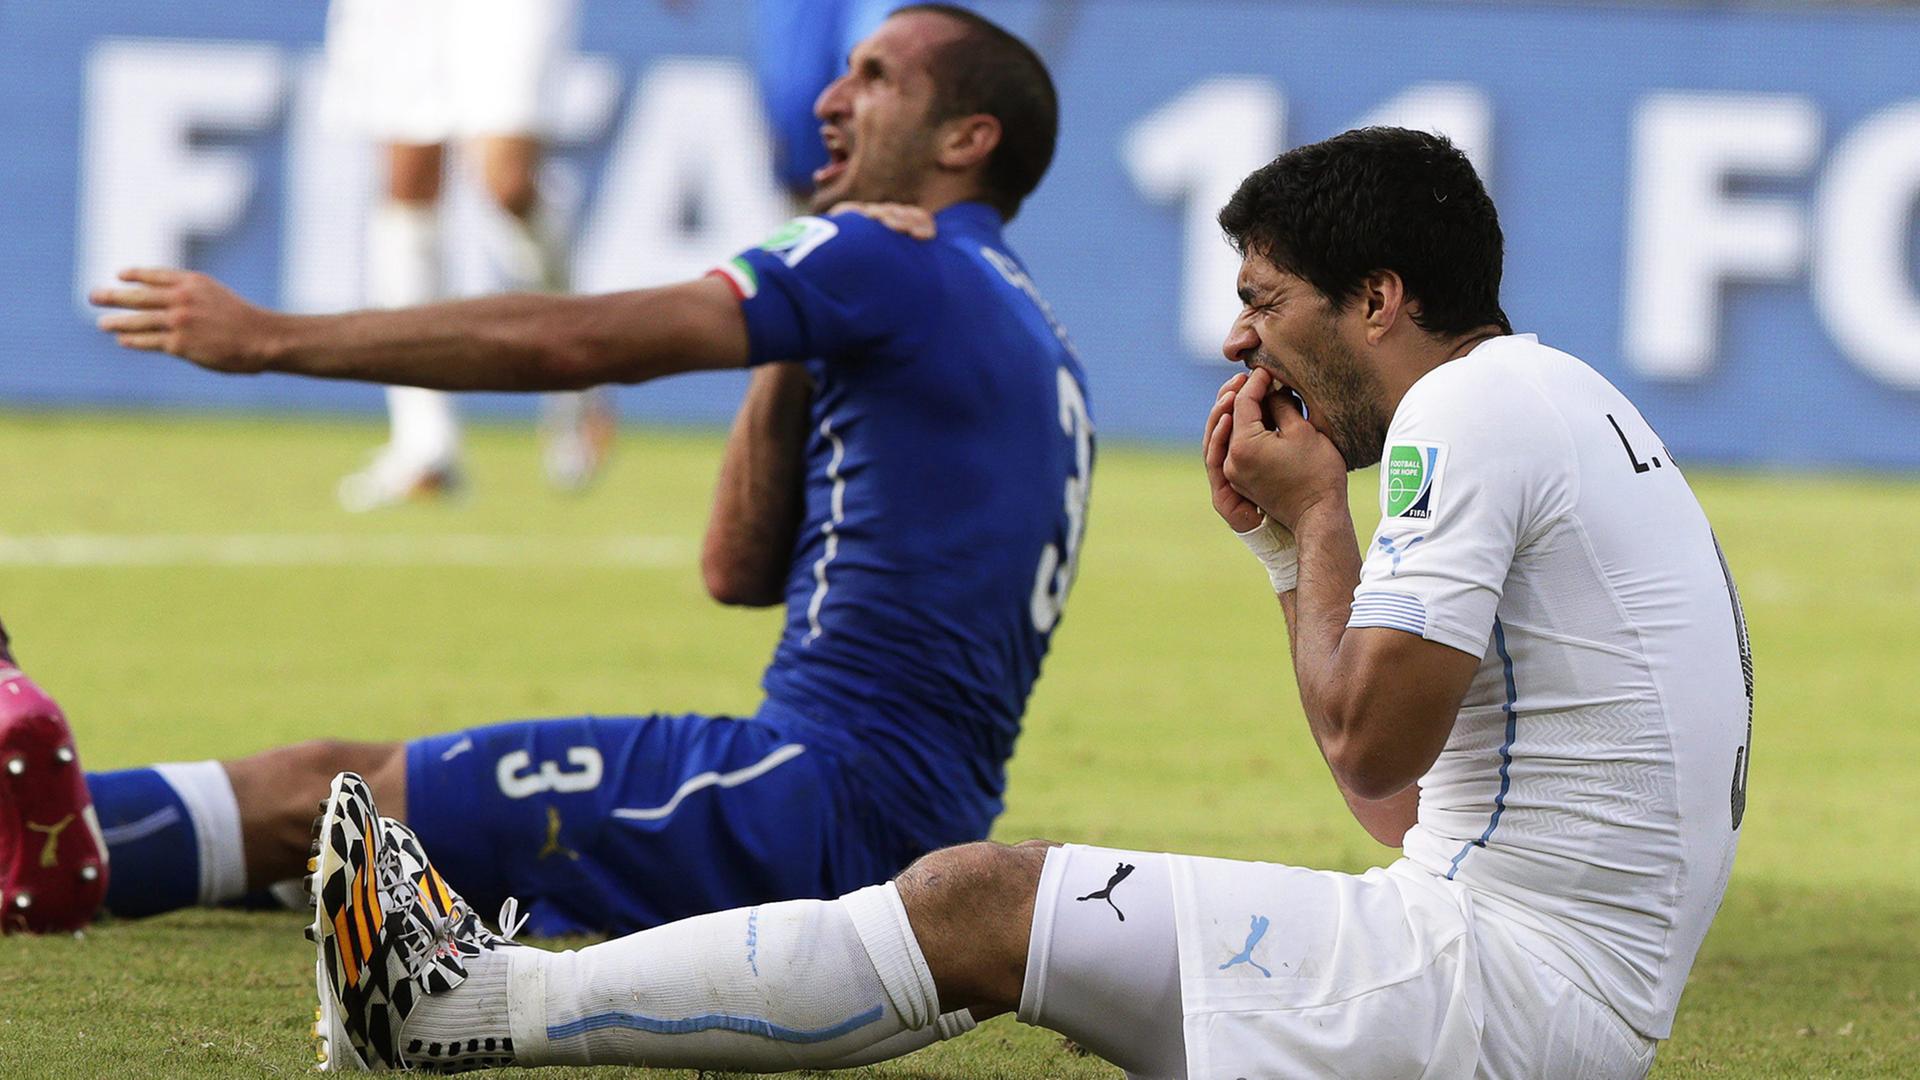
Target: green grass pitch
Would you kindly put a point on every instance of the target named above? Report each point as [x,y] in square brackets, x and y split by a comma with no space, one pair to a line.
[187,589]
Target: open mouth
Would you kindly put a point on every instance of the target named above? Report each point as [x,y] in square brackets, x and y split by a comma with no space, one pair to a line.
[1277,399]
[838,154]
[1290,398]
[1281,396]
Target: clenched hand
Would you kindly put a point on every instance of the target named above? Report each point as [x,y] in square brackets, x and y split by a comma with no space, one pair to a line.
[1239,512]
[1284,470]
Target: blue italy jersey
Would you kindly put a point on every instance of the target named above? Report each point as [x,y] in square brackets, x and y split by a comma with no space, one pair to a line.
[946,483]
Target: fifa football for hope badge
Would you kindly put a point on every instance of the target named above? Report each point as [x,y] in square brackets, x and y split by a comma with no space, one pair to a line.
[1410,479]
[798,238]
[793,241]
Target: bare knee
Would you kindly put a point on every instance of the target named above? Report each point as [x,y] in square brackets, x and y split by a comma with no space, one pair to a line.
[413,172]
[310,766]
[516,194]
[510,167]
[971,908]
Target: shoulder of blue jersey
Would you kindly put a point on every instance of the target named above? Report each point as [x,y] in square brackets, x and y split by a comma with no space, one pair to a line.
[793,242]
[801,237]
[845,240]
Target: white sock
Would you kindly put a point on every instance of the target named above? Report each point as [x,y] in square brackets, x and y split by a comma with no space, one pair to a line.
[403,254]
[404,269]
[532,252]
[476,1032]
[207,794]
[947,1026]
[425,426]
[797,984]
[532,256]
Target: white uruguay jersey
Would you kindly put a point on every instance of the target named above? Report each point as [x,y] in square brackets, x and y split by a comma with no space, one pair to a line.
[1591,791]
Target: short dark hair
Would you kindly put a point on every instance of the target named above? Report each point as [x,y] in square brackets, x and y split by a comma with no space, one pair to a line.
[1378,198]
[988,70]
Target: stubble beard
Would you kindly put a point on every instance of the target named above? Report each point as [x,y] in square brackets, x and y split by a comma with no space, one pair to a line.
[889,171]
[1350,397]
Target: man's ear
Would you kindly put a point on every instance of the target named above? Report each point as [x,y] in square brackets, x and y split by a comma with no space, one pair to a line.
[967,142]
[1384,300]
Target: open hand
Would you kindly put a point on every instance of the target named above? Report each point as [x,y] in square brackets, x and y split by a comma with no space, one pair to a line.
[187,314]
[1285,470]
[900,217]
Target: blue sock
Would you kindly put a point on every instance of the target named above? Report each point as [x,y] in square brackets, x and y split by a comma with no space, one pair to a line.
[152,853]
[173,837]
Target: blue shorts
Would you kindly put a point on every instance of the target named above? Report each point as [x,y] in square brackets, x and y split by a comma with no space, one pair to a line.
[616,824]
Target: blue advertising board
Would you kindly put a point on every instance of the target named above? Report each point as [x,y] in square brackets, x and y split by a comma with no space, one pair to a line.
[1715,207]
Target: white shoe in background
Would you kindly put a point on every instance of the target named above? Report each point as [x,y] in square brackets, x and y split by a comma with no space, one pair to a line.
[391,479]
[576,436]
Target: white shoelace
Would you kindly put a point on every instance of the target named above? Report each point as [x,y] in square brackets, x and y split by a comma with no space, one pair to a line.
[511,921]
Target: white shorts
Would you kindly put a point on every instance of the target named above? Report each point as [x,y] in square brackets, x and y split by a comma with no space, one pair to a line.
[1286,972]
[428,71]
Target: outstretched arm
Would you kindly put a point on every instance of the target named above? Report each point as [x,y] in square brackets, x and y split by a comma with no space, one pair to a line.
[513,342]
[757,501]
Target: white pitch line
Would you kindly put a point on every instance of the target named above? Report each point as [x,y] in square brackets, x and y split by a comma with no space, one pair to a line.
[342,549]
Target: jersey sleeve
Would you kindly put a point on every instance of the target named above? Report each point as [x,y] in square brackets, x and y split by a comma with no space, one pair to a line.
[839,288]
[1473,470]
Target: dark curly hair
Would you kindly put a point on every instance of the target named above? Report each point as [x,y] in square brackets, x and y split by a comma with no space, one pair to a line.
[1378,198]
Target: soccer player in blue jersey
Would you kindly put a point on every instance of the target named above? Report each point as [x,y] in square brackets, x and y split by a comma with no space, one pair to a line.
[908,474]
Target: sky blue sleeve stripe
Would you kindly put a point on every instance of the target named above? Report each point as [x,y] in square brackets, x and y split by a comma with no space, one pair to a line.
[1389,598]
[1506,753]
[745,1025]
[1412,612]
[1414,627]
[1371,610]
[1369,601]
[1392,610]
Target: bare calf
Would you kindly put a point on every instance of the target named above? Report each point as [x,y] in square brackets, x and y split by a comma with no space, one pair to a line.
[280,790]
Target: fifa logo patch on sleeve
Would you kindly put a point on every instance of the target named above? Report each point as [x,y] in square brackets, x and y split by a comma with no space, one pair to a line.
[1410,479]
[798,238]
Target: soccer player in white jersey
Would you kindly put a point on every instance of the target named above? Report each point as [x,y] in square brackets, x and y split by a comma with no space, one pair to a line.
[1533,677]
[416,76]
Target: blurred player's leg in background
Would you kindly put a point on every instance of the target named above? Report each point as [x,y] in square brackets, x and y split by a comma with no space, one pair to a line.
[795,61]
[803,45]
[404,268]
[504,63]
[530,254]
[417,76]
[385,83]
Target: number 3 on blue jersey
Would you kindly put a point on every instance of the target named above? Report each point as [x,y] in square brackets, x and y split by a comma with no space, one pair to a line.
[1055,574]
